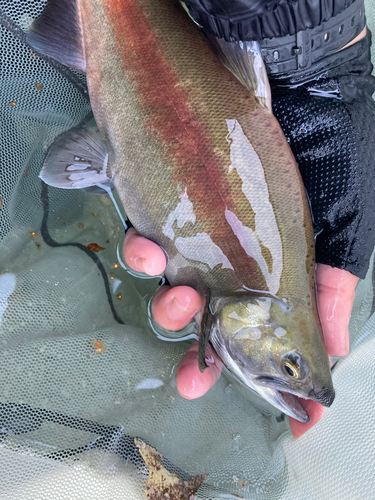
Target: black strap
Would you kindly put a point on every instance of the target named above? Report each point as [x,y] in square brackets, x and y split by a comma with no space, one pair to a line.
[298,52]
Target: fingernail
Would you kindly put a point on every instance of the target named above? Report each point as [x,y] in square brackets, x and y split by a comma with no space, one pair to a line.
[138,264]
[177,311]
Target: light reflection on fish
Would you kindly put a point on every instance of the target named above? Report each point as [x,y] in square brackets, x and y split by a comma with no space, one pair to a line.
[202,168]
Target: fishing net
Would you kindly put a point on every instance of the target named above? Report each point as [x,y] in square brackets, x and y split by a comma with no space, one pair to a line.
[81,371]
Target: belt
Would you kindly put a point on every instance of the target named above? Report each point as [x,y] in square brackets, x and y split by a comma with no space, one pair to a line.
[300,51]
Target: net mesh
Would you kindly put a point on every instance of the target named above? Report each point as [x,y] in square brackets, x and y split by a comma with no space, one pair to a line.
[81,371]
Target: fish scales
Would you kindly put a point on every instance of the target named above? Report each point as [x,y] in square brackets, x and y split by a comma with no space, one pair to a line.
[181,101]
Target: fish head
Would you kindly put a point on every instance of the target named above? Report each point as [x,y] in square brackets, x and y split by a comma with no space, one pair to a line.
[276,348]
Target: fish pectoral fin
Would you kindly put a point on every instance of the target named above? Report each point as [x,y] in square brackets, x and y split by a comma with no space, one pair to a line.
[78,159]
[56,33]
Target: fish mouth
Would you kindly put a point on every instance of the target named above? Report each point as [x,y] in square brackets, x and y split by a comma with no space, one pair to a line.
[291,406]
[279,395]
[284,401]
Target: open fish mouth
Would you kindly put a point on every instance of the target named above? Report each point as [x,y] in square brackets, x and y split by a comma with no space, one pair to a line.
[291,406]
[285,401]
[277,393]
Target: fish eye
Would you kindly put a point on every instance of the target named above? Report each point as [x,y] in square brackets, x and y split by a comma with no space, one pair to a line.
[293,366]
[291,369]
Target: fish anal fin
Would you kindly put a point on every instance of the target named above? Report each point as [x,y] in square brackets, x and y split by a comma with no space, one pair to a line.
[56,33]
[77,159]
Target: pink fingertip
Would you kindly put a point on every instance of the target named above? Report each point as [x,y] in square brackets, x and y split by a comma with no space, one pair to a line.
[177,310]
[143,255]
[174,308]
[191,383]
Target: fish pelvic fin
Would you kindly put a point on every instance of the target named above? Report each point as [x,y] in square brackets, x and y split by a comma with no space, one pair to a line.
[78,159]
[56,33]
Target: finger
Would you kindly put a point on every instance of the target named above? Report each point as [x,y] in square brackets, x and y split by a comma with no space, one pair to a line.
[143,255]
[335,292]
[174,308]
[315,411]
[191,383]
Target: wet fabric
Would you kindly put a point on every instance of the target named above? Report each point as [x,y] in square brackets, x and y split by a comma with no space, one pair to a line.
[328,117]
[258,19]
[81,371]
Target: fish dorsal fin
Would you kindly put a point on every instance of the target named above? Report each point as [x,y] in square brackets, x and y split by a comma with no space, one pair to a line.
[244,60]
[77,159]
[56,33]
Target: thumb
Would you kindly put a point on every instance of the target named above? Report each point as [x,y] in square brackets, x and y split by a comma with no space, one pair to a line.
[335,293]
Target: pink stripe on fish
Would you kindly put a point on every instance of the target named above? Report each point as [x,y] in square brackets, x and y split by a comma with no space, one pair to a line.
[171,118]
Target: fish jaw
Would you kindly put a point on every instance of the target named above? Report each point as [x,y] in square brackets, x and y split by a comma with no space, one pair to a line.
[287,400]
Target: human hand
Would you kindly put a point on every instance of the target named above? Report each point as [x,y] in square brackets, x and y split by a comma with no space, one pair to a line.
[335,294]
[174,307]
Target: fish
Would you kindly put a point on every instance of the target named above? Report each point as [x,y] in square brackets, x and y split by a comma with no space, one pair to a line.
[202,168]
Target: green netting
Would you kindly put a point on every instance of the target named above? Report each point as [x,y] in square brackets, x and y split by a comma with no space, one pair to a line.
[69,410]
